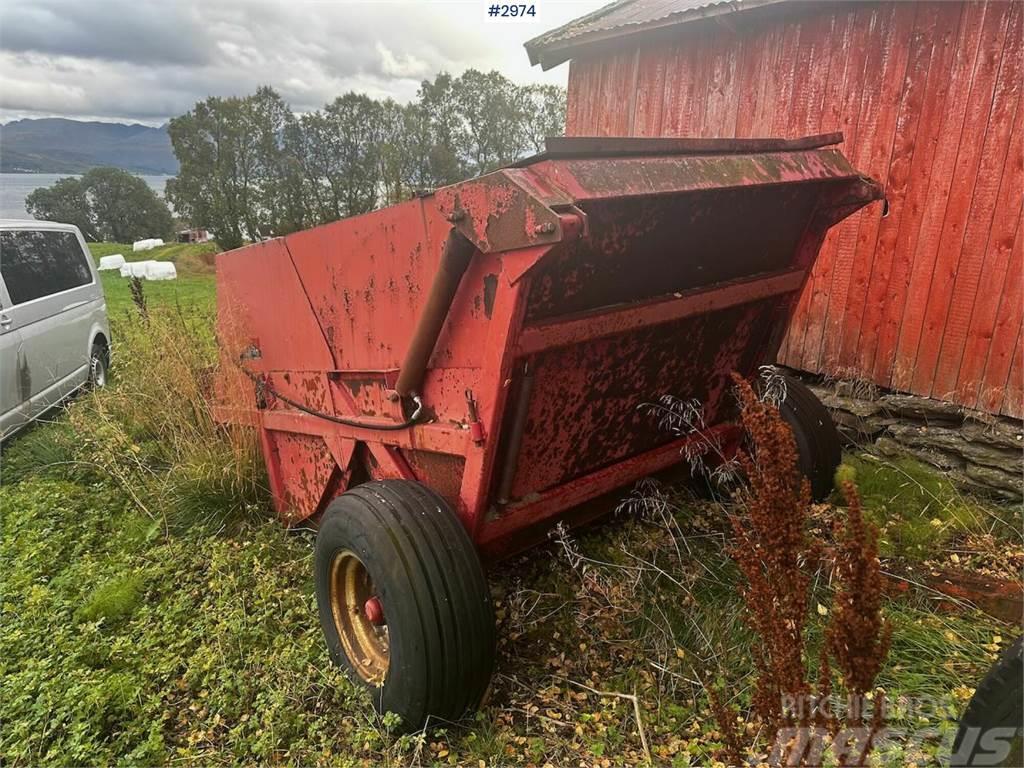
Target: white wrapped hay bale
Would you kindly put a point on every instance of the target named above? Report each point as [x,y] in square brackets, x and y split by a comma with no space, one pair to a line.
[147,244]
[160,270]
[135,268]
[113,261]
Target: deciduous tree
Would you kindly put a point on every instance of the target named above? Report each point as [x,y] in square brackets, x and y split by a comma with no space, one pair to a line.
[232,167]
[250,168]
[106,204]
[66,202]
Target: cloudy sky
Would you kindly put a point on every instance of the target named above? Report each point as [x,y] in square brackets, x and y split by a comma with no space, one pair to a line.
[148,60]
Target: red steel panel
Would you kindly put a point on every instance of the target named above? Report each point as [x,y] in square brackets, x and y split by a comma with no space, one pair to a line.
[511,531]
[438,438]
[252,287]
[304,469]
[480,460]
[584,412]
[617,320]
[367,278]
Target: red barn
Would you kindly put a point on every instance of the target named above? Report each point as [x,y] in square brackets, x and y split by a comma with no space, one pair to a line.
[926,299]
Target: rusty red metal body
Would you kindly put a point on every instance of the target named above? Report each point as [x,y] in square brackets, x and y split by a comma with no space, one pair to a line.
[602,275]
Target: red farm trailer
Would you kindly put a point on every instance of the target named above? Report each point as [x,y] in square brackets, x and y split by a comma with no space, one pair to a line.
[444,379]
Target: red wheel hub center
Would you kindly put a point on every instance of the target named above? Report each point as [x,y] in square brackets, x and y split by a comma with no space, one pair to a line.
[374,611]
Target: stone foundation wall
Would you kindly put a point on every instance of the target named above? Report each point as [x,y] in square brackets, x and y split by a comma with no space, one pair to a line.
[980,452]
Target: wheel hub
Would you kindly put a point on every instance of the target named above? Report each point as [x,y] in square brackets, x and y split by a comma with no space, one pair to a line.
[374,611]
[359,618]
[99,372]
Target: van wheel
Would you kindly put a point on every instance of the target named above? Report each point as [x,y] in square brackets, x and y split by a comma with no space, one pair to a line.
[99,363]
[403,601]
[817,441]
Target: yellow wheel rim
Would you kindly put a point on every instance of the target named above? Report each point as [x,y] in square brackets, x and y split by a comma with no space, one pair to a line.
[365,643]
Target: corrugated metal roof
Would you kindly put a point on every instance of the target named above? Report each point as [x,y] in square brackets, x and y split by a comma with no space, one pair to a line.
[625,17]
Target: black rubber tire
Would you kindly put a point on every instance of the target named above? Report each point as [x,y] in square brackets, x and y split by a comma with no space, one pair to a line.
[817,440]
[433,591]
[993,714]
[99,365]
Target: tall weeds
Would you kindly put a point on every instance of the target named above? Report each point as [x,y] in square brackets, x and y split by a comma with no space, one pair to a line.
[775,555]
[857,636]
[772,550]
[746,614]
[154,432]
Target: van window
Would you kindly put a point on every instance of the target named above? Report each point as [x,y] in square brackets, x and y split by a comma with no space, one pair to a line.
[39,262]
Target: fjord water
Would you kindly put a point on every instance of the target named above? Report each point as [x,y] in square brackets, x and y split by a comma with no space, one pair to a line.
[15,187]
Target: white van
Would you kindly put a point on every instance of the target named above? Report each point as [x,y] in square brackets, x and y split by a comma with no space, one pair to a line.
[54,335]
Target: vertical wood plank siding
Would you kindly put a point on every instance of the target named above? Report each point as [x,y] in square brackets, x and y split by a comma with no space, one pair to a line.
[930,298]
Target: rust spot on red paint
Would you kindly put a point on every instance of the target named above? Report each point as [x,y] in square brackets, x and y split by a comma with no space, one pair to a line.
[490,289]
[640,249]
[584,410]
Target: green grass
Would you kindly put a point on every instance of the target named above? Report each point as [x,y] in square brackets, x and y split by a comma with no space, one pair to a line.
[193,291]
[47,449]
[141,624]
[123,644]
[113,600]
[188,255]
[916,509]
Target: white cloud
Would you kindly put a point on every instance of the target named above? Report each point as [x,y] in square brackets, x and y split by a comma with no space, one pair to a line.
[408,66]
[148,60]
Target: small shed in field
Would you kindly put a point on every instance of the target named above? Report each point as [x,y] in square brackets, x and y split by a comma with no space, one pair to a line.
[193,236]
[927,300]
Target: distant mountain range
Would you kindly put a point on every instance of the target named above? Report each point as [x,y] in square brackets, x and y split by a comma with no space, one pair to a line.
[56,145]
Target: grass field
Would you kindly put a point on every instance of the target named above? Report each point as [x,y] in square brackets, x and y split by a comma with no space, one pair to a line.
[193,290]
[154,612]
